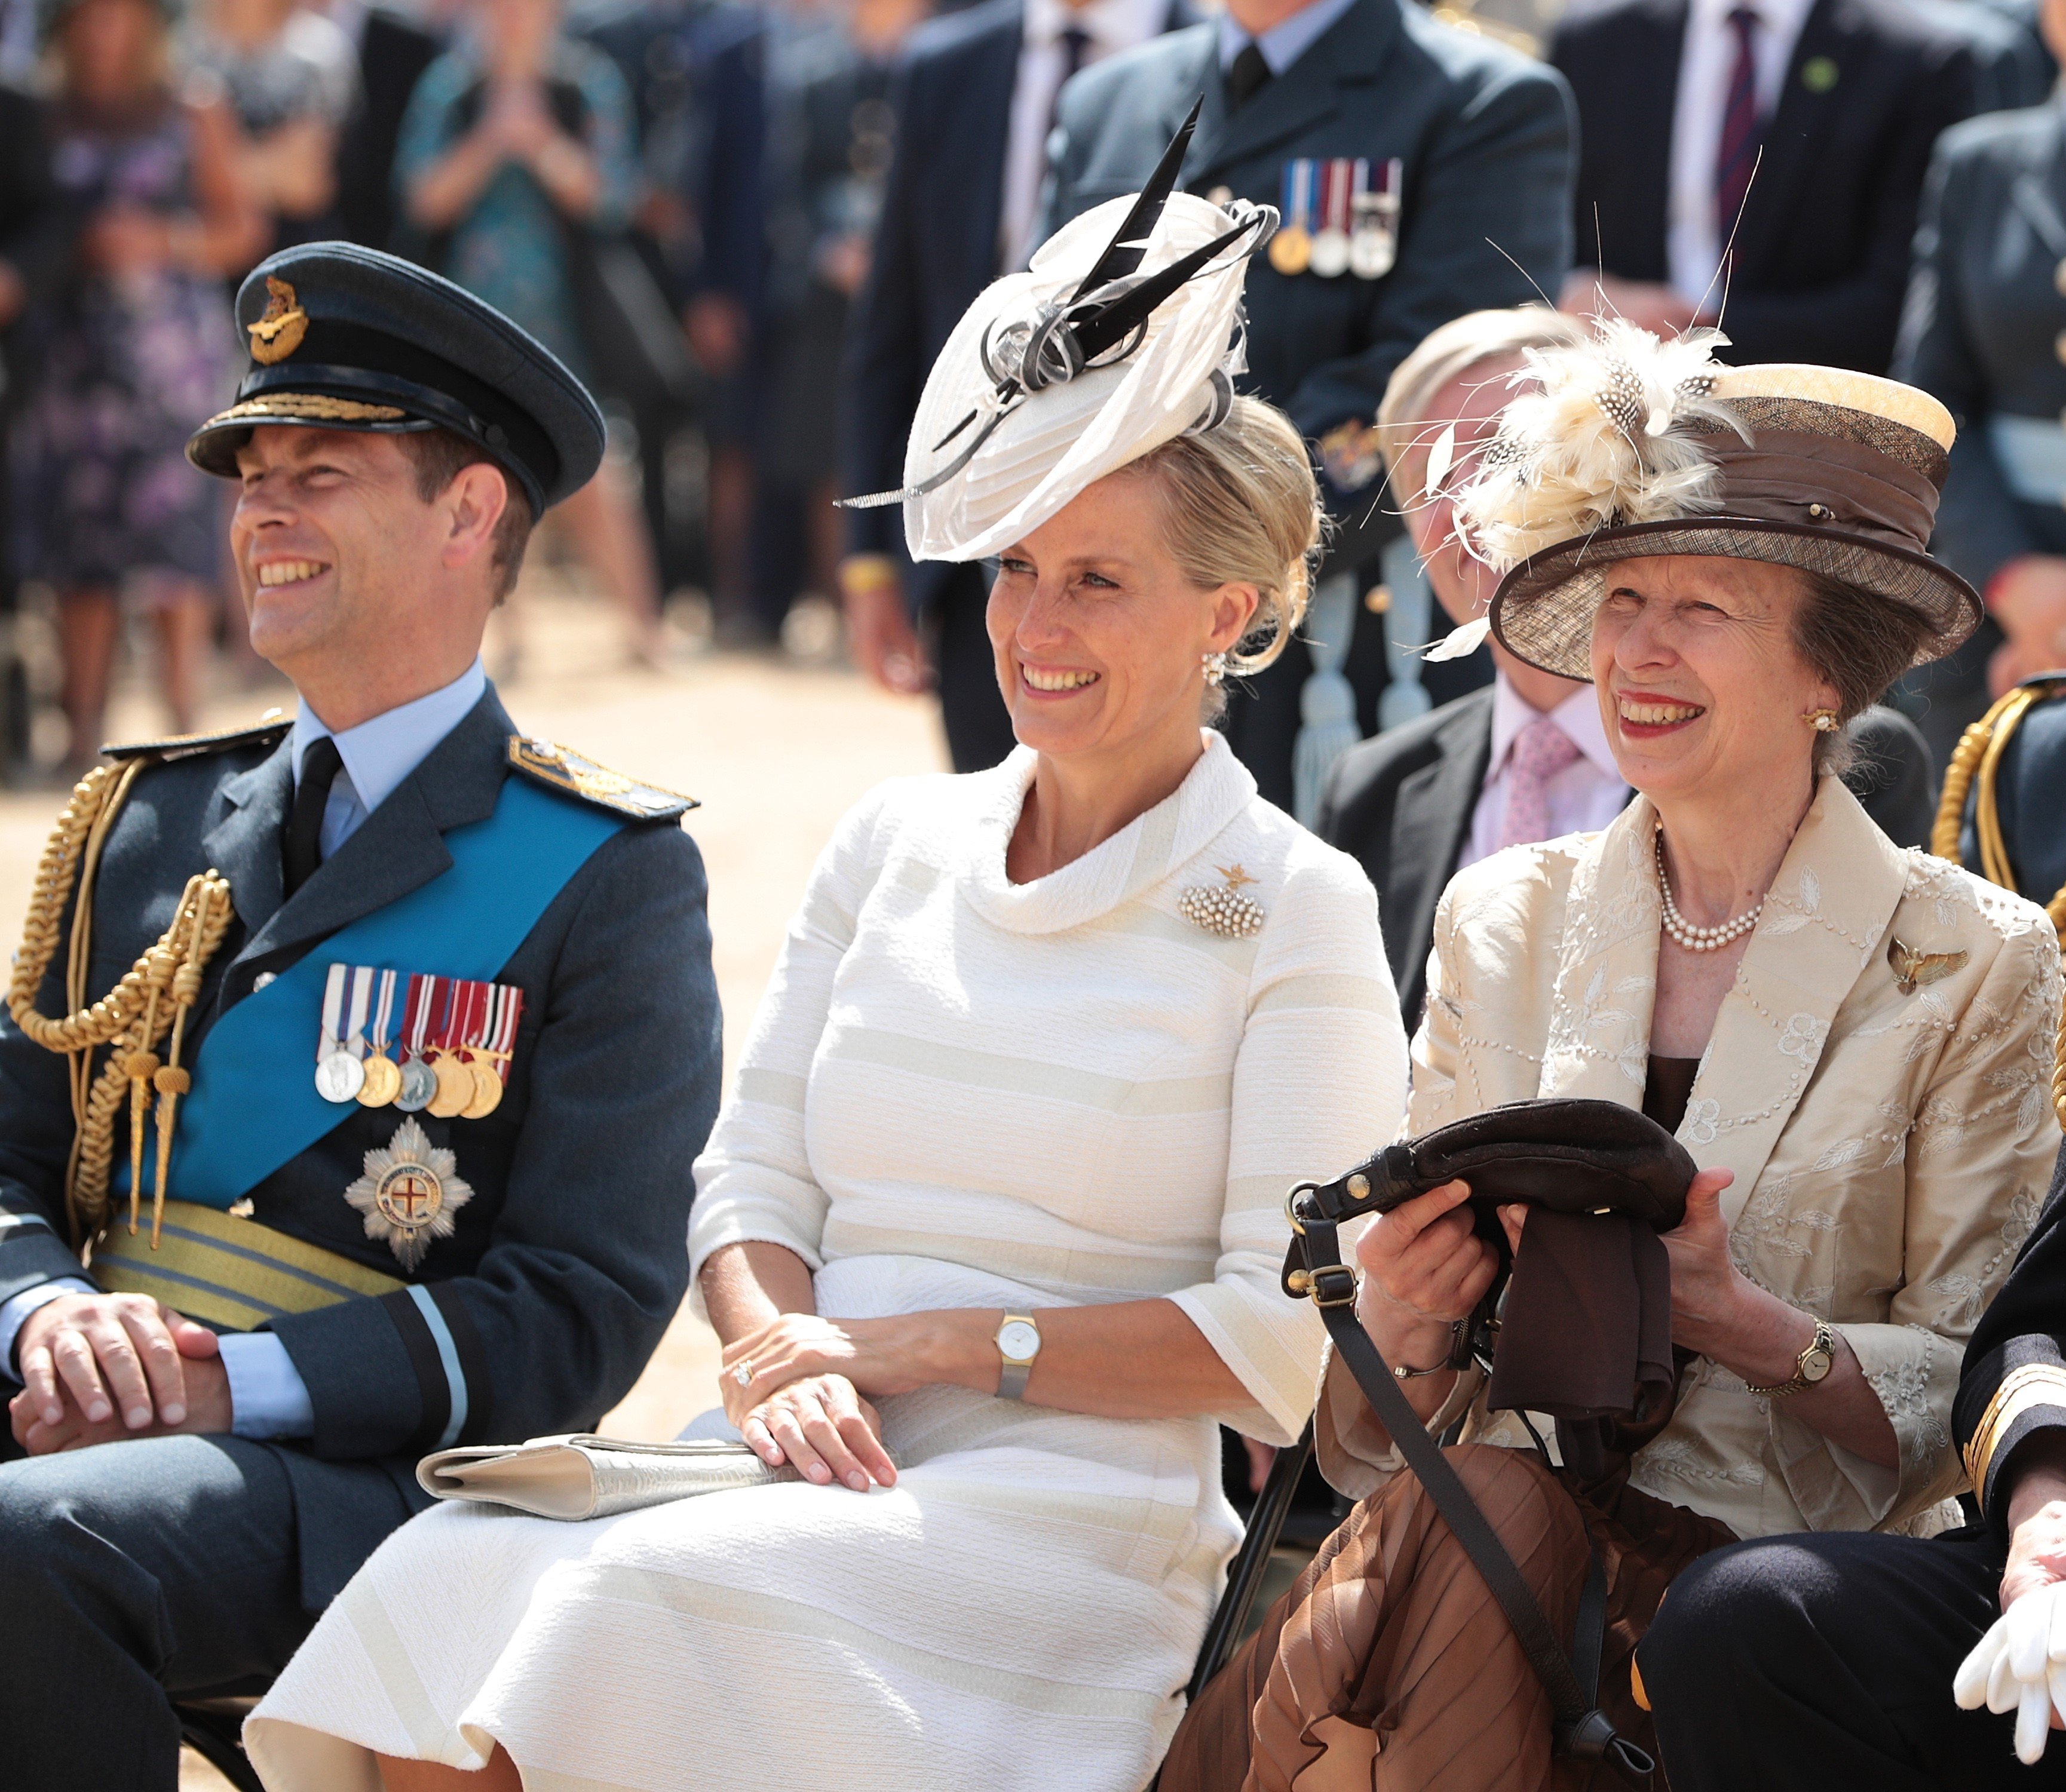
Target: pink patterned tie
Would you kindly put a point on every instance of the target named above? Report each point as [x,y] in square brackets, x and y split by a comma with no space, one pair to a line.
[1540,751]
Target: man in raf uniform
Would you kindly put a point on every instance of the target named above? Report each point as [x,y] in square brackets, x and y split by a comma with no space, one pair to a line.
[1422,172]
[389,1031]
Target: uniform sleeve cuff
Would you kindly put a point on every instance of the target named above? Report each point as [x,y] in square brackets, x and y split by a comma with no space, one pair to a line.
[267,1399]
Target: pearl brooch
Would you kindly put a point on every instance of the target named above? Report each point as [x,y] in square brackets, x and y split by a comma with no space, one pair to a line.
[1699,939]
[1224,912]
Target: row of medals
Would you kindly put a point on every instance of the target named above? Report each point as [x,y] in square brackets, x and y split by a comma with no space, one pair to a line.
[449,1085]
[1368,252]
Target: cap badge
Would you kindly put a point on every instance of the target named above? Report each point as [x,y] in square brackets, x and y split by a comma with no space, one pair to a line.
[279,332]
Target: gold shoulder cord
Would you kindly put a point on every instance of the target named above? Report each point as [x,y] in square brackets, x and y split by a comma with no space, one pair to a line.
[1975,760]
[131,1020]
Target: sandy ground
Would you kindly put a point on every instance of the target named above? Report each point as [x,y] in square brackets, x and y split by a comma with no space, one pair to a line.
[776,752]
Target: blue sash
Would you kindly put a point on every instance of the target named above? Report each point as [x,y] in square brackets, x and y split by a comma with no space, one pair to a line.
[254,1105]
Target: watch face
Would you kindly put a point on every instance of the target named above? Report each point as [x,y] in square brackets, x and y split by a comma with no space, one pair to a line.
[1019,1340]
[1815,1365]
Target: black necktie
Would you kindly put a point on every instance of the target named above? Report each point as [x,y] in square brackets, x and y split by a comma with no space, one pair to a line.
[1076,43]
[302,850]
[1248,77]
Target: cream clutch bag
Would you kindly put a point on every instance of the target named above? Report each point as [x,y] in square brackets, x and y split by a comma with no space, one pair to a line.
[584,1477]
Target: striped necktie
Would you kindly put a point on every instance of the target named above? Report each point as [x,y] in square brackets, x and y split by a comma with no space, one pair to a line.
[1742,133]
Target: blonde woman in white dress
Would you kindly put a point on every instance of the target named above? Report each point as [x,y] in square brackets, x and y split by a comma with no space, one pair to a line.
[991,1226]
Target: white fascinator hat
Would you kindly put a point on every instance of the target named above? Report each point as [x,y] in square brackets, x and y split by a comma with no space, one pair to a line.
[1124,333]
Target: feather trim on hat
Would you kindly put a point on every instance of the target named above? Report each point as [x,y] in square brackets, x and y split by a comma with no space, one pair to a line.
[1607,434]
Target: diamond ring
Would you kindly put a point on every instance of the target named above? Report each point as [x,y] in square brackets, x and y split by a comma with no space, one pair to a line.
[743,1375]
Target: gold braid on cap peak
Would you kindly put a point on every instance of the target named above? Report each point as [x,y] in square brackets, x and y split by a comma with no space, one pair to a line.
[131,1019]
[1977,759]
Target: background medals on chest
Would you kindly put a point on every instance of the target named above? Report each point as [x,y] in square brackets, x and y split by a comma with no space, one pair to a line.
[1330,241]
[1373,242]
[1291,249]
[339,1073]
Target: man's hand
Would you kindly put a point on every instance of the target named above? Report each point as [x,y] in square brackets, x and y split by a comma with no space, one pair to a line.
[1647,304]
[878,627]
[123,1359]
[2020,1665]
[2028,598]
[208,1410]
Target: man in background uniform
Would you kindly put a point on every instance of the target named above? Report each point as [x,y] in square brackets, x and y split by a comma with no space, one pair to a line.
[386,1134]
[1422,172]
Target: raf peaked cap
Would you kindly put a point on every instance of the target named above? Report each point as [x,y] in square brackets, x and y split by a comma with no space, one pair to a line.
[345,338]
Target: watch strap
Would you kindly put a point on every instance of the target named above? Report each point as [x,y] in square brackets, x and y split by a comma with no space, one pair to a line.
[1825,1340]
[1018,1371]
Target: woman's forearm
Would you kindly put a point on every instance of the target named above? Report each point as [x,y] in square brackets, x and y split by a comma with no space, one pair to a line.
[1763,1343]
[746,1286]
[1132,1359]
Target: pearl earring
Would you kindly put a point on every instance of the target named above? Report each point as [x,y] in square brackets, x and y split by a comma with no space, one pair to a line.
[1823,722]
[1215,668]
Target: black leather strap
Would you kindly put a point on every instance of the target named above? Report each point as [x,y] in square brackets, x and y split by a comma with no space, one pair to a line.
[1582,1729]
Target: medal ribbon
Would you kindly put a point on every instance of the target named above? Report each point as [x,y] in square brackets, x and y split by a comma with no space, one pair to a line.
[362,999]
[384,1014]
[502,1035]
[332,1011]
[1338,196]
[421,991]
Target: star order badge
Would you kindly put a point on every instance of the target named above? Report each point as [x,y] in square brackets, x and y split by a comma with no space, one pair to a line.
[409,1193]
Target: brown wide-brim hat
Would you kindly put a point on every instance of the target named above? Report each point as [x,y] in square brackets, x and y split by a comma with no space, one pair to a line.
[1835,472]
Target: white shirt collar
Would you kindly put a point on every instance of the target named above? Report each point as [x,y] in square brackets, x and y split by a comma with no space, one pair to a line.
[379,753]
[1283,45]
[1110,24]
[1783,18]
[1578,716]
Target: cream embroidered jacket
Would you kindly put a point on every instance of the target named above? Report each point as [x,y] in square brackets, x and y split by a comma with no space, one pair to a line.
[1891,1148]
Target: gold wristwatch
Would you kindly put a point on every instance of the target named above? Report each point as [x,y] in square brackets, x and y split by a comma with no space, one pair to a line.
[1815,1362]
[1018,1343]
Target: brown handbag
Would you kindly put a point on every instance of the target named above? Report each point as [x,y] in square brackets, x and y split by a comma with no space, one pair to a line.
[1571,1157]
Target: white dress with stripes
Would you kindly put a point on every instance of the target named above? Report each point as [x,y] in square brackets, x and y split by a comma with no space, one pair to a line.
[959,1092]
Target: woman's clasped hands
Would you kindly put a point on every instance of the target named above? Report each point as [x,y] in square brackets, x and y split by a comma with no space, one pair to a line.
[796,1388]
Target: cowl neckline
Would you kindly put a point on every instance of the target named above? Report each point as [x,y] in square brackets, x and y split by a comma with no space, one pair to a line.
[1216,790]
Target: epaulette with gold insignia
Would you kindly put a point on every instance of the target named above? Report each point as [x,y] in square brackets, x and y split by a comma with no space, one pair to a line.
[265,732]
[565,770]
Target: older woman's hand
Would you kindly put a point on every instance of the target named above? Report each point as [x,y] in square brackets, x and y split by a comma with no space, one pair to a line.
[877,1356]
[1707,1287]
[1423,1269]
[824,1430]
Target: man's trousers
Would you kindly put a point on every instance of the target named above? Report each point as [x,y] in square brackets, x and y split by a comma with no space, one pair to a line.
[1820,1664]
[133,1570]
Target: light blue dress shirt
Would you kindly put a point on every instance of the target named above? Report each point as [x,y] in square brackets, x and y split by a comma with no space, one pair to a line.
[268,1397]
[1282,45]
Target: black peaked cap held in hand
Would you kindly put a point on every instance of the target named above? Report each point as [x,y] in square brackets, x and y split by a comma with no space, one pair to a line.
[345,338]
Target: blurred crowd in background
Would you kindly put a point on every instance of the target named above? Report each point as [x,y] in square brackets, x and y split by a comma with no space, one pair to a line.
[684,199]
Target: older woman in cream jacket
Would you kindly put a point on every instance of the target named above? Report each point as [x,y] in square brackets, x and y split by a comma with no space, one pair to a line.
[1854,1043]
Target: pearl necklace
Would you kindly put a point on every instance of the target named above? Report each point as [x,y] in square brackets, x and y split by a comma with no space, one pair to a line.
[1699,939]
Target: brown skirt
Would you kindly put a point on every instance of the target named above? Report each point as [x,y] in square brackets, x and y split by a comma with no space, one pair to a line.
[1390,1668]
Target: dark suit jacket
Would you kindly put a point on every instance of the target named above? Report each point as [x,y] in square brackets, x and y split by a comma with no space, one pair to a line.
[1821,255]
[569,1262]
[1401,803]
[393,53]
[935,247]
[1485,134]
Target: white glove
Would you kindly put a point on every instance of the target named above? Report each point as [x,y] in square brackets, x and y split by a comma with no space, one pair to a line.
[2020,1666]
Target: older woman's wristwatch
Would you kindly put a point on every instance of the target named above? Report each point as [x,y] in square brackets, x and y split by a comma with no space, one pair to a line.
[1815,1362]
[1018,1343]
